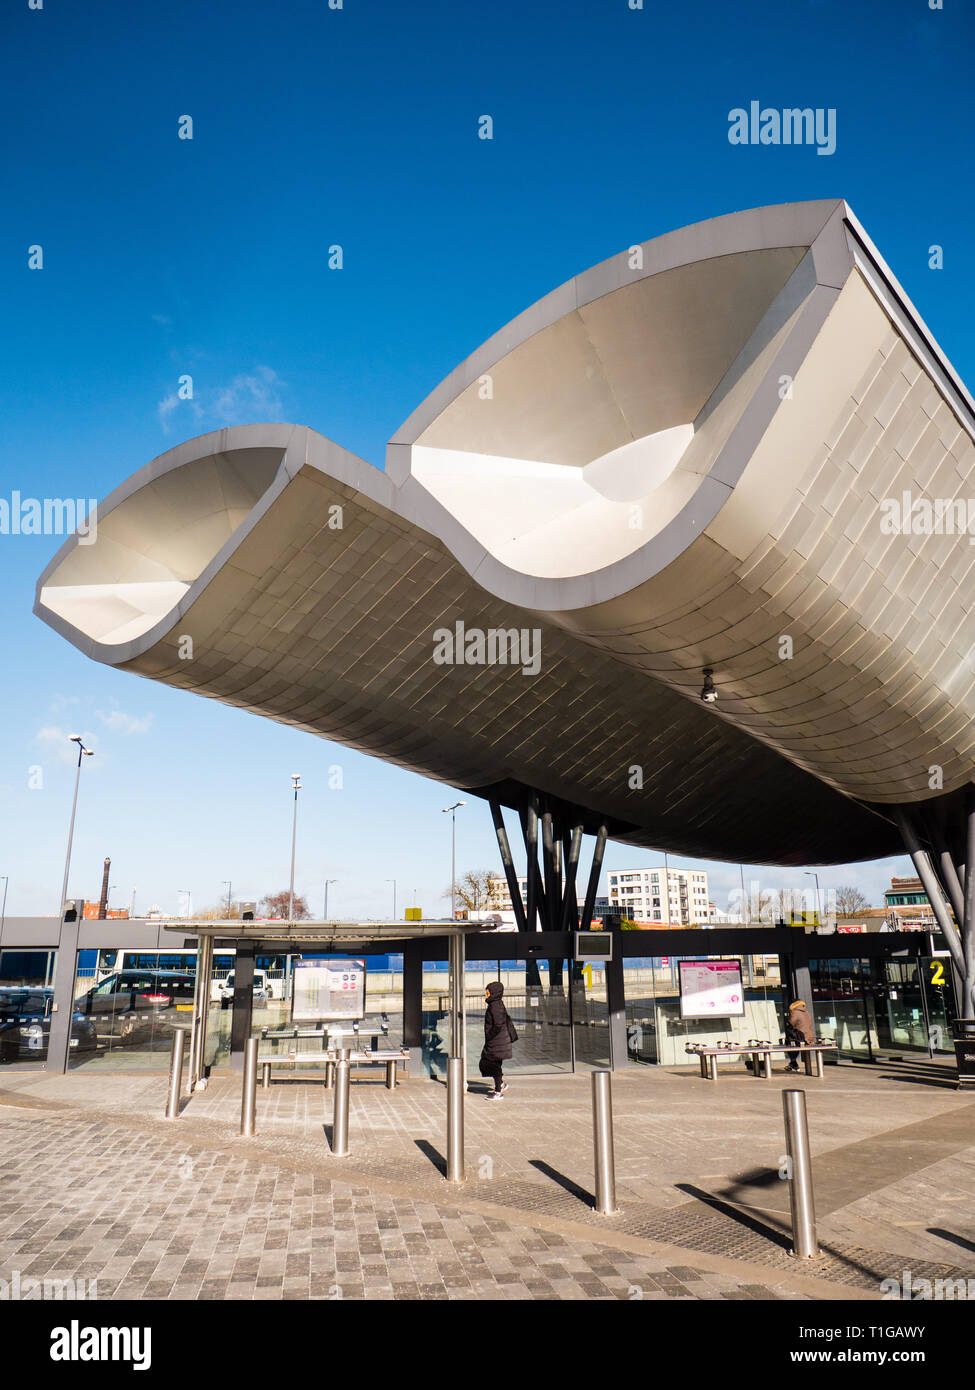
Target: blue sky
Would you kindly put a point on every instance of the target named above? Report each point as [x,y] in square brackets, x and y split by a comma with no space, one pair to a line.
[210,257]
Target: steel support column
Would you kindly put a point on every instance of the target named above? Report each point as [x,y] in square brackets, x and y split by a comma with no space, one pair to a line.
[594,872]
[967,926]
[514,889]
[926,874]
[240,1023]
[944,867]
[548,859]
[616,1006]
[530,829]
[568,892]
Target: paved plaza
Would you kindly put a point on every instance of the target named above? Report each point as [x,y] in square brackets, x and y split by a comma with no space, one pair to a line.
[96,1185]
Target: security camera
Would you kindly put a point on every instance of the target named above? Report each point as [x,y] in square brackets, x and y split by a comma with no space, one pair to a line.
[708,692]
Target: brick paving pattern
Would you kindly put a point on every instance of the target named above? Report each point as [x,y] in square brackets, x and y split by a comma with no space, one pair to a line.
[147,1218]
[892,1157]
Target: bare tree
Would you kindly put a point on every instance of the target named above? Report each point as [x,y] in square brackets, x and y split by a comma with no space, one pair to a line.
[479,890]
[223,912]
[276,905]
[849,901]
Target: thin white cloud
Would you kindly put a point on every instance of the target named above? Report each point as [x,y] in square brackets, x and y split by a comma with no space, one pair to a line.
[121,723]
[249,397]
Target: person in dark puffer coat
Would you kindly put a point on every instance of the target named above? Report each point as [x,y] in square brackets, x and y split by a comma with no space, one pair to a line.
[497,1038]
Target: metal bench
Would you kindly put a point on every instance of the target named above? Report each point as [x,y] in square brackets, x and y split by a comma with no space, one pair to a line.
[390,1059]
[761,1055]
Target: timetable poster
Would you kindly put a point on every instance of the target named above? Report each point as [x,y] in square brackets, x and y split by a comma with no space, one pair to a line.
[328,991]
[711,989]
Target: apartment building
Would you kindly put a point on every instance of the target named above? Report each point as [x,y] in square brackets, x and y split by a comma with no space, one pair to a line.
[641,894]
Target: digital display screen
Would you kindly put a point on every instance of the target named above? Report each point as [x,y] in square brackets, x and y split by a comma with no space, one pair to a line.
[594,945]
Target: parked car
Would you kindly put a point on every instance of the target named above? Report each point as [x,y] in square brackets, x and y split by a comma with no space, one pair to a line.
[226,988]
[25,1024]
[132,1003]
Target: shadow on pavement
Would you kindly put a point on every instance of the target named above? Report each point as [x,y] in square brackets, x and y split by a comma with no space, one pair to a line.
[434,1155]
[759,1228]
[950,1235]
[571,1187]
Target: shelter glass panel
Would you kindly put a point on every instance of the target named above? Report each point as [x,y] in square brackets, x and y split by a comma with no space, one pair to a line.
[26,997]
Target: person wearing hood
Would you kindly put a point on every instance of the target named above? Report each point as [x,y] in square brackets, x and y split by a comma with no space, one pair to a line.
[499,1034]
[800,1029]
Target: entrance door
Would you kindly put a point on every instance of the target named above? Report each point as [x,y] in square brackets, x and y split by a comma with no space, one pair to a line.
[844,1011]
[894,986]
[935,973]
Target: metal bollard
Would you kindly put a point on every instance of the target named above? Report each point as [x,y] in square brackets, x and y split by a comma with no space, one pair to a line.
[456,1086]
[602,1121]
[800,1185]
[340,1111]
[391,1076]
[175,1074]
[248,1096]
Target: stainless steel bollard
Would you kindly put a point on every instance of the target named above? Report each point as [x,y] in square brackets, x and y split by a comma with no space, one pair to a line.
[248,1097]
[602,1124]
[249,1090]
[800,1186]
[391,1076]
[340,1111]
[456,1086]
[175,1073]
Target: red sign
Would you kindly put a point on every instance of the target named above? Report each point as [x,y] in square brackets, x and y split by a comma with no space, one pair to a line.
[851,929]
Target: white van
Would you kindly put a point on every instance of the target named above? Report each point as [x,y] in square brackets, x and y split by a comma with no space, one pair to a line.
[222,991]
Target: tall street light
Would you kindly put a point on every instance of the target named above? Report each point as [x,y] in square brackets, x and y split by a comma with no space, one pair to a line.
[327,882]
[189,900]
[453,856]
[3,909]
[83,752]
[230,893]
[819,911]
[393,882]
[296,782]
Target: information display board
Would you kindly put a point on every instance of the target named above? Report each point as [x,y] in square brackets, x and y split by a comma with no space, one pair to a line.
[593,945]
[327,991]
[711,989]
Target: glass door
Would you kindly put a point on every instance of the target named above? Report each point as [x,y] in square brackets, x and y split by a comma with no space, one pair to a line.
[899,1008]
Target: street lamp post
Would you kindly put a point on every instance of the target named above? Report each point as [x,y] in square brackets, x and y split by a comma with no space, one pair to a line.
[393,882]
[453,856]
[230,893]
[189,901]
[3,908]
[296,782]
[327,882]
[87,753]
[819,910]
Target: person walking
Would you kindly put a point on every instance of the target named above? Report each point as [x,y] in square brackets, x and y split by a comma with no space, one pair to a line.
[799,1028]
[499,1034]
